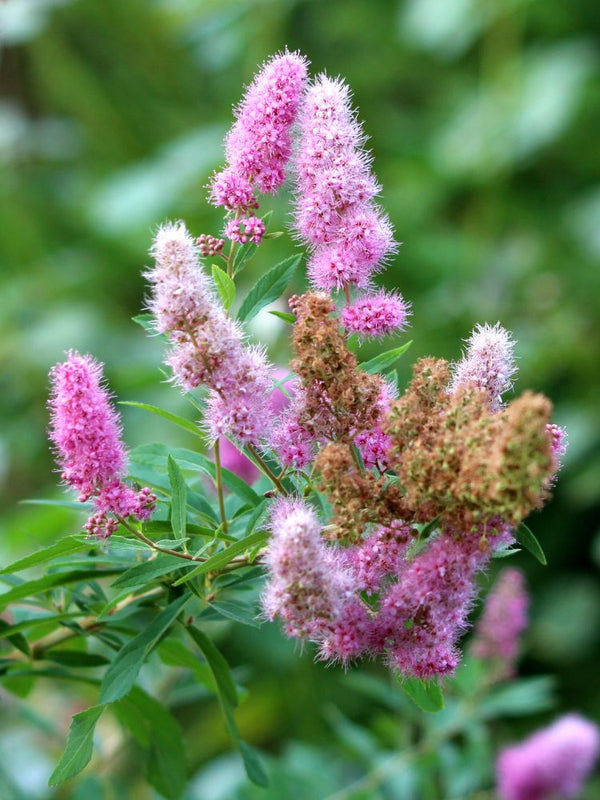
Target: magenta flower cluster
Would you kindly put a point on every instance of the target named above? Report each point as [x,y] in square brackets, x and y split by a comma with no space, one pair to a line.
[86,433]
[552,763]
[423,598]
[207,345]
[259,144]
[335,212]
[504,618]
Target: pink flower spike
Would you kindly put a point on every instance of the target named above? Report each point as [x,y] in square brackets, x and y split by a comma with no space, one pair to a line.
[376,315]
[302,589]
[553,762]
[488,362]
[86,432]
[335,212]
[503,620]
[84,427]
[259,144]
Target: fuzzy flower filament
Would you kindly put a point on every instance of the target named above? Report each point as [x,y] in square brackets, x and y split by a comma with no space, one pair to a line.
[335,213]
[488,363]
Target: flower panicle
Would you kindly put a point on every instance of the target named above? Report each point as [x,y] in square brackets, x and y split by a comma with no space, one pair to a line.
[488,363]
[335,212]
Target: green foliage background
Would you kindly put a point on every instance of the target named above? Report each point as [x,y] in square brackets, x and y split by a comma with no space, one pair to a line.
[483,118]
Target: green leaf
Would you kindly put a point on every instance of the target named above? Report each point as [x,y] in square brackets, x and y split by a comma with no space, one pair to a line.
[227,695]
[236,611]
[14,637]
[223,557]
[178,498]
[384,360]
[283,315]
[145,321]
[427,695]
[63,547]
[123,671]
[268,288]
[186,424]
[149,571]
[29,588]
[155,455]
[166,767]
[218,666]
[225,286]
[174,653]
[519,697]
[75,658]
[71,504]
[80,742]
[526,537]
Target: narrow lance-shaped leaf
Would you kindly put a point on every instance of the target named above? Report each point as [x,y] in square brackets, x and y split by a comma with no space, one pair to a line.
[29,588]
[178,498]
[228,699]
[222,558]
[69,544]
[268,288]
[181,422]
[384,360]
[527,538]
[80,742]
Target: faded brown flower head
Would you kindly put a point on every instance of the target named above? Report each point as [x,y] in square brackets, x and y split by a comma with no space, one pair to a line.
[457,459]
[340,399]
[358,497]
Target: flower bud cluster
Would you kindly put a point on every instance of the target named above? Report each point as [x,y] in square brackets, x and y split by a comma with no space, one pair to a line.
[245,229]
[86,433]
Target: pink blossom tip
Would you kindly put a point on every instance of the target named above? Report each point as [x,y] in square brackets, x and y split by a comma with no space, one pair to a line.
[259,144]
[488,362]
[85,430]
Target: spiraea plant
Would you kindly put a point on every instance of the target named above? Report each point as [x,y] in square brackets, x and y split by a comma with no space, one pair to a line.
[362,515]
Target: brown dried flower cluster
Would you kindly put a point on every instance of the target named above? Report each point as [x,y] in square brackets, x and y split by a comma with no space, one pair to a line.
[358,497]
[339,398]
[457,459]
